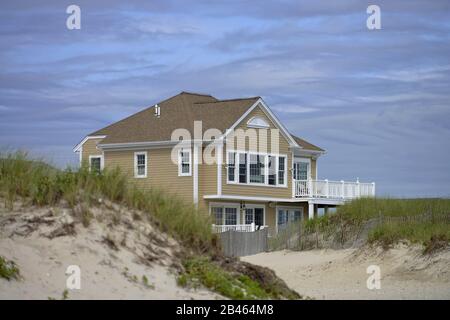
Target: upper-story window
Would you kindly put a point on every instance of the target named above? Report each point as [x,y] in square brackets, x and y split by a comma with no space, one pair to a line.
[184,162]
[272,163]
[140,164]
[282,170]
[256,168]
[231,166]
[258,123]
[95,163]
[242,167]
[301,170]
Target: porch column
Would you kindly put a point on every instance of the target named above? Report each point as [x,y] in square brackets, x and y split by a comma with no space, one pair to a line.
[310,210]
[325,210]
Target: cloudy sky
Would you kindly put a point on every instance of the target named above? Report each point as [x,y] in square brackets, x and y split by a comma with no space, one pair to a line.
[377,100]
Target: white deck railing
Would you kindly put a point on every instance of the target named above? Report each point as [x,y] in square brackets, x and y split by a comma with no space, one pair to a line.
[236,227]
[333,189]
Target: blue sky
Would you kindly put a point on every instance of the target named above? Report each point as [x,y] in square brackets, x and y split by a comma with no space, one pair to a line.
[377,101]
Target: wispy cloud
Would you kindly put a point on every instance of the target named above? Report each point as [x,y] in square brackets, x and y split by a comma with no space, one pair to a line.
[377,101]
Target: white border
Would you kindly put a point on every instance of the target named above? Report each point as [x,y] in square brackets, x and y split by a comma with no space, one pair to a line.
[79,145]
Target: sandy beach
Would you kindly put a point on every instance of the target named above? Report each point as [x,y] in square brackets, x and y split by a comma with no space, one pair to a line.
[341,274]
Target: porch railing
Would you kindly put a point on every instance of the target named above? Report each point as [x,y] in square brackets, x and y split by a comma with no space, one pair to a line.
[333,189]
[236,227]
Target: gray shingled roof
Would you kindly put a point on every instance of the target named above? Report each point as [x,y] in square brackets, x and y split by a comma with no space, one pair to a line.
[180,111]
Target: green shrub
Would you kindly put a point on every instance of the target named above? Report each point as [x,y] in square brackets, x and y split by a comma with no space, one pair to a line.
[8,269]
[202,271]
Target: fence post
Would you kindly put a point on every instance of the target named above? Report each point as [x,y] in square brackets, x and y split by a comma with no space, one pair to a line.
[343,189]
[358,188]
[327,190]
[310,186]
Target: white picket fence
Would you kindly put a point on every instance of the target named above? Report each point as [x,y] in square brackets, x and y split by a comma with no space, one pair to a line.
[236,227]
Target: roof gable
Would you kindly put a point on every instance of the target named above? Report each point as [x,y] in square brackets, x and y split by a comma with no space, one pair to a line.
[181,111]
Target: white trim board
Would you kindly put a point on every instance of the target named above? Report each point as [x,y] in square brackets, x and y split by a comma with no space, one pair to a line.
[246,198]
[80,145]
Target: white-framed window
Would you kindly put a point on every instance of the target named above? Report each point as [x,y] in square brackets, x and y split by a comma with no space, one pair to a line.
[253,168]
[231,216]
[140,164]
[96,163]
[257,168]
[242,167]
[231,166]
[302,167]
[258,123]
[272,167]
[217,215]
[225,213]
[282,170]
[184,162]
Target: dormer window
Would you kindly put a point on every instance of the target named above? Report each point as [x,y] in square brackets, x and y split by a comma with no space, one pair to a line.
[258,123]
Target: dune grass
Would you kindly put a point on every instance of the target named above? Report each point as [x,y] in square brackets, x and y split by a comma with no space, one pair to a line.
[416,220]
[41,184]
[367,208]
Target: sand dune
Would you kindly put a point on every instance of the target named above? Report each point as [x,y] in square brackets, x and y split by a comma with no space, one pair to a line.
[114,254]
[341,274]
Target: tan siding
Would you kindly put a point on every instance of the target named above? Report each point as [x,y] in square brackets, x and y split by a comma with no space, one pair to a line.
[161,172]
[207,181]
[90,149]
[248,190]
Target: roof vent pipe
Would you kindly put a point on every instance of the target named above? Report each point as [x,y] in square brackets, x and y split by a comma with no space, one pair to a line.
[157,111]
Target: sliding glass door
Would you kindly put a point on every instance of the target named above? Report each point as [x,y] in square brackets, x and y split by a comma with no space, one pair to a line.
[286,216]
[254,215]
